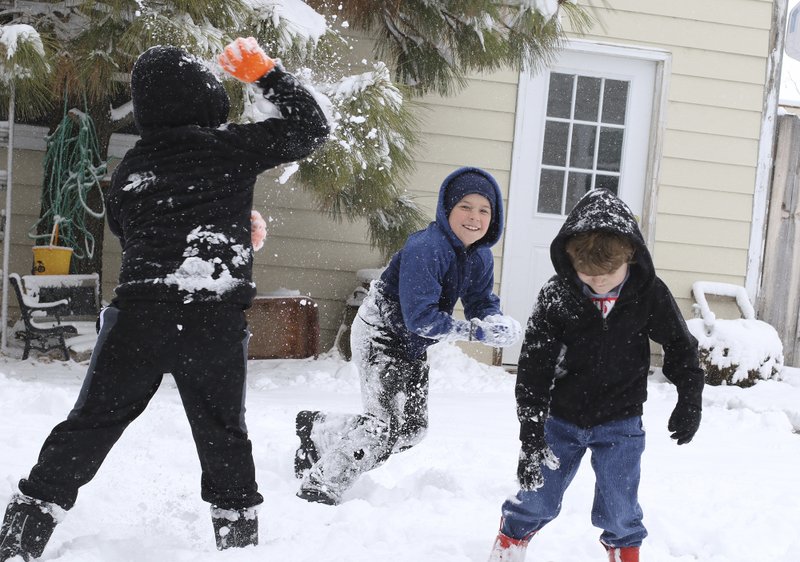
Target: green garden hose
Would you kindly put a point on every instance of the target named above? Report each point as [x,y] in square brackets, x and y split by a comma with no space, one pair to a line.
[73,167]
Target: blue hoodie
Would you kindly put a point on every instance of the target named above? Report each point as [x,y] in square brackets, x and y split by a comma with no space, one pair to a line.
[434,269]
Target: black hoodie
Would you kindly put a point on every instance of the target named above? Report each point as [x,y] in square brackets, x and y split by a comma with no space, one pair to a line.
[589,370]
[180,199]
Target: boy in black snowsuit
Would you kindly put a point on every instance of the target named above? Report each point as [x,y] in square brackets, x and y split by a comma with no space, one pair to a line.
[409,309]
[180,203]
[582,378]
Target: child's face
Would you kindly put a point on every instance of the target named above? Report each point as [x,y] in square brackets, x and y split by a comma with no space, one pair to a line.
[603,283]
[470,218]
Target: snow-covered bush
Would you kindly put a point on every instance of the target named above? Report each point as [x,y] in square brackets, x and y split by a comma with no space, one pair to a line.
[738,351]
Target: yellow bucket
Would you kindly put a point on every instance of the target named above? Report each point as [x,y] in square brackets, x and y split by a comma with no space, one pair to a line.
[51,260]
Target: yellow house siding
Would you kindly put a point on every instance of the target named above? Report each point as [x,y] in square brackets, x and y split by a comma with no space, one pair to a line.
[742,13]
[716,93]
[656,22]
[462,122]
[26,197]
[724,122]
[697,259]
[711,232]
[456,151]
[718,65]
[704,203]
[707,175]
[710,148]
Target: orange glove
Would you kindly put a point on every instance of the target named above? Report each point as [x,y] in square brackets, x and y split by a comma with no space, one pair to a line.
[245,60]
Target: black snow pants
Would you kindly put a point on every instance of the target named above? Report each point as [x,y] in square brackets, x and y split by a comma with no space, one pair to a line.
[204,347]
[394,390]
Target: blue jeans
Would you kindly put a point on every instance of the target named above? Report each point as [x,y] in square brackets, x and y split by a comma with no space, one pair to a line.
[617,449]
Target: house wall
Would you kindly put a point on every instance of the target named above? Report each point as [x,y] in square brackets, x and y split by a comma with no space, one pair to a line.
[26,196]
[707,170]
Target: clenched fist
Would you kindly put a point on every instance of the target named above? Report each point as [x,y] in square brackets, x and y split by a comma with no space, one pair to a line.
[245,60]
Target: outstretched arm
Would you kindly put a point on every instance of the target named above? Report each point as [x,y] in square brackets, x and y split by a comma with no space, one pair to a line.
[302,126]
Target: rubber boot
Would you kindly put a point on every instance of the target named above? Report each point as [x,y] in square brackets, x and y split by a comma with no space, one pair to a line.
[235,528]
[622,553]
[317,492]
[27,527]
[306,455]
[506,549]
[363,443]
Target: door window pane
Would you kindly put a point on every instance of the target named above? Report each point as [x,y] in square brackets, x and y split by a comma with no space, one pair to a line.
[559,96]
[582,150]
[577,186]
[551,186]
[556,134]
[587,98]
[610,183]
[609,153]
[615,101]
[584,135]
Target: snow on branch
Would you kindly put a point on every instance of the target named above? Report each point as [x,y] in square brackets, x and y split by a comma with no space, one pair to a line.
[351,86]
[12,35]
[21,49]
[547,8]
[295,22]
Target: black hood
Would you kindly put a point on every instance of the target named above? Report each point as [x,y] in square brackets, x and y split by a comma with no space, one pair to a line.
[600,209]
[171,88]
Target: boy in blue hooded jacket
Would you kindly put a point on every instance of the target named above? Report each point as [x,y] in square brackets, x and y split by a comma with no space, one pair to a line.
[406,311]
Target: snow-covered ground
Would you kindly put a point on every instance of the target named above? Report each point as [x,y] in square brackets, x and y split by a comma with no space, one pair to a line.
[730,495]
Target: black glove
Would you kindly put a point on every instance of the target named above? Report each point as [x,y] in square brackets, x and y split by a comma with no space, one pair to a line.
[684,421]
[534,454]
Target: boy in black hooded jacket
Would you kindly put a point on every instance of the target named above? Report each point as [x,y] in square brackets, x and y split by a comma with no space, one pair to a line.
[180,203]
[582,378]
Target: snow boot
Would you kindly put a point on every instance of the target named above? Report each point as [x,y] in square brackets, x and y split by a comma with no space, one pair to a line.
[317,492]
[306,455]
[27,527]
[506,549]
[235,528]
[622,553]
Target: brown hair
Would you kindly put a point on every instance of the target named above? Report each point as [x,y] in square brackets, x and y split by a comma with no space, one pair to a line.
[598,252]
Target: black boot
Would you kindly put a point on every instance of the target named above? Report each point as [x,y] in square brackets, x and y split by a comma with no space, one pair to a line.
[306,455]
[235,528]
[27,527]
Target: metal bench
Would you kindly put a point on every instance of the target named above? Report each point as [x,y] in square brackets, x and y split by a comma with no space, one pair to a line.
[39,335]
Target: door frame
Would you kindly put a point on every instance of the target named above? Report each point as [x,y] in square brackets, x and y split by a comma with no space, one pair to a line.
[663,65]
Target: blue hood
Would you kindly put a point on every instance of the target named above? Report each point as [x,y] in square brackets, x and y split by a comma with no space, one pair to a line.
[495,231]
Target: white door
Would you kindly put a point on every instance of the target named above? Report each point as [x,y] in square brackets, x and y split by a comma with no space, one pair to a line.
[582,124]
